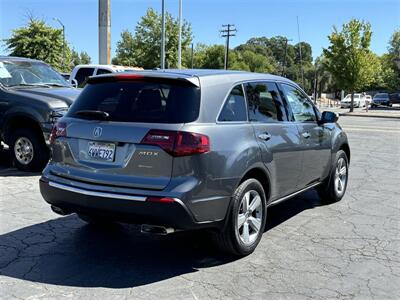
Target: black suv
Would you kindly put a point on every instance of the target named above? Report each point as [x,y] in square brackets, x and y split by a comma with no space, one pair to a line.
[32,97]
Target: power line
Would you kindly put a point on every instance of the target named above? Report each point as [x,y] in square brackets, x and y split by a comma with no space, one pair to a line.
[227,31]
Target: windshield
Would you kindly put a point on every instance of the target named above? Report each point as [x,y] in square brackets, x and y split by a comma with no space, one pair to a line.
[28,73]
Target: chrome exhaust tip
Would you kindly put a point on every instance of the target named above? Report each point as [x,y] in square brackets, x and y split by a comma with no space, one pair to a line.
[156,230]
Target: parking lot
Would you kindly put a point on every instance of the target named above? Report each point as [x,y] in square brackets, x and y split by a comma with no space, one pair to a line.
[346,250]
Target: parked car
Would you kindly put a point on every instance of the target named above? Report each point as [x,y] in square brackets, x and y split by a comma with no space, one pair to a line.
[381,99]
[394,98]
[81,73]
[32,97]
[191,149]
[359,101]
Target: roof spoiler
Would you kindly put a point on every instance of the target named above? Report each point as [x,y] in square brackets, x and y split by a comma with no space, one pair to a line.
[141,76]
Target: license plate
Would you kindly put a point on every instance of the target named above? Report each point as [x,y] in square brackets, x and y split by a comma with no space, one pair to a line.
[101,151]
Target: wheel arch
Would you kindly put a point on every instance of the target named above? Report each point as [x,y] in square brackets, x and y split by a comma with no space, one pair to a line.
[20,121]
[262,176]
[345,147]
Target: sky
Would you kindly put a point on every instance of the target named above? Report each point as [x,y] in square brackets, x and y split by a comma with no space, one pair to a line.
[252,18]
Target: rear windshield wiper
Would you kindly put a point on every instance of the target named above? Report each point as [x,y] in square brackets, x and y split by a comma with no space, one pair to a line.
[93,114]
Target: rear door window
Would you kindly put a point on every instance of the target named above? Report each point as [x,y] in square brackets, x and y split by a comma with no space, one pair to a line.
[234,109]
[264,102]
[82,75]
[140,101]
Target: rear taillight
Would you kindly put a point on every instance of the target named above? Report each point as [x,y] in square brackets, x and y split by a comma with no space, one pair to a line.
[59,129]
[178,143]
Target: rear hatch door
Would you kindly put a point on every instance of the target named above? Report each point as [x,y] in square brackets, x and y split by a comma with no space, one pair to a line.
[107,123]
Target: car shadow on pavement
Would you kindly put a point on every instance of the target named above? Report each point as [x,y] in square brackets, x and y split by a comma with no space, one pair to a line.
[282,212]
[65,251]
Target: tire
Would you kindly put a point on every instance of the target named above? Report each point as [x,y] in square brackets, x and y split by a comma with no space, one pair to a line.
[36,152]
[94,220]
[232,239]
[332,190]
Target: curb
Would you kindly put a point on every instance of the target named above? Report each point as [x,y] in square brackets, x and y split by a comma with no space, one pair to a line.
[370,116]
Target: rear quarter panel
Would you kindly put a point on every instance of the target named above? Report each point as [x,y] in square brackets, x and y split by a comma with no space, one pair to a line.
[233,151]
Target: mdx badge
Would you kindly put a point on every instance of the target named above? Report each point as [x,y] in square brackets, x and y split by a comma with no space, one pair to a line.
[148,153]
[97,131]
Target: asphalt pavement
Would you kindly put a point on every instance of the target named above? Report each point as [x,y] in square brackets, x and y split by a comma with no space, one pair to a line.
[346,250]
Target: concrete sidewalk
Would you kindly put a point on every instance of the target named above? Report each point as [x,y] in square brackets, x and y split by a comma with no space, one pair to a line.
[373,114]
[361,112]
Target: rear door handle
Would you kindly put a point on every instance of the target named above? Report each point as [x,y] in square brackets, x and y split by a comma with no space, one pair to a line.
[264,136]
[306,135]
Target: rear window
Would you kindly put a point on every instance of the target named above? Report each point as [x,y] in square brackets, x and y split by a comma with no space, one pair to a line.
[139,101]
[381,96]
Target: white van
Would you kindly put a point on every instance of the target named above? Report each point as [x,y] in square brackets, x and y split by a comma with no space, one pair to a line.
[359,100]
[81,73]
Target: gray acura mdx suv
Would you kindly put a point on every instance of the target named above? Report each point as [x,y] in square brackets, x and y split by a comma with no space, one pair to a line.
[178,150]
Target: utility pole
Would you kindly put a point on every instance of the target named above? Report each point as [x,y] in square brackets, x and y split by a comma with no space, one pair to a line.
[104,32]
[284,57]
[301,58]
[227,31]
[162,34]
[191,58]
[180,36]
[63,50]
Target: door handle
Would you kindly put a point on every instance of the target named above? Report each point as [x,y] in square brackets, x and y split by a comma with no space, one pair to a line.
[306,135]
[264,136]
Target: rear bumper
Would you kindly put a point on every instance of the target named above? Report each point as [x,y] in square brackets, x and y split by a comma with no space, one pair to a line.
[120,207]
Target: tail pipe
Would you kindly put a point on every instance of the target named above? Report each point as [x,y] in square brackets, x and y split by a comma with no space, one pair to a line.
[156,230]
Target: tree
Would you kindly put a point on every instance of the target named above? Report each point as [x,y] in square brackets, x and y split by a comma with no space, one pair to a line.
[210,57]
[143,48]
[394,44]
[349,59]
[78,59]
[390,75]
[38,41]
[255,62]
[125,50]
[85,58]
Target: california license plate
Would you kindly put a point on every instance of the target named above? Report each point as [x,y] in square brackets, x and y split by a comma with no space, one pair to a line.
[101,151]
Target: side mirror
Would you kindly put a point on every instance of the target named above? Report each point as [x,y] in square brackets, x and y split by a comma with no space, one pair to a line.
[74,83]
[328,117]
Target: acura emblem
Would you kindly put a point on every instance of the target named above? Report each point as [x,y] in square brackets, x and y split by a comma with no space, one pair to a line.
[97,131]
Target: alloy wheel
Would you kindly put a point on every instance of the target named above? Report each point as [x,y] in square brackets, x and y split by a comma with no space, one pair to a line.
[340,176]
[23,150]
[250,216]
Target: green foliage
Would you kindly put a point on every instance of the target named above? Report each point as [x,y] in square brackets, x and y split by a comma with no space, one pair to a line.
[348,58]
[125,53]
[78,59]
[143,48]
[38,41]
[394,44]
